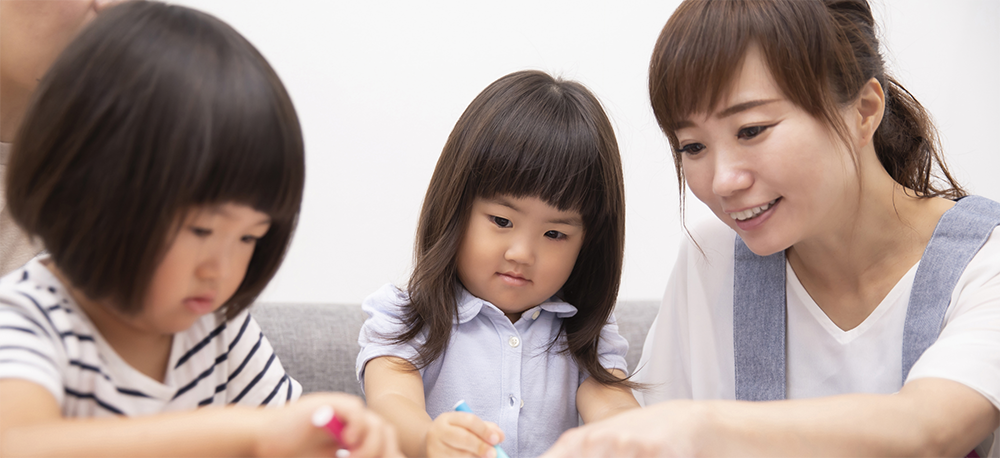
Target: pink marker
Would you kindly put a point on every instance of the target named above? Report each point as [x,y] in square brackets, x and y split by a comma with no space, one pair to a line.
[324,417]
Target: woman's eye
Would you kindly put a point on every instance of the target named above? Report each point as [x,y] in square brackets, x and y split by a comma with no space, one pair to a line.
[691,149]
[751,132]
[201,231]
[555,235]
[501,222]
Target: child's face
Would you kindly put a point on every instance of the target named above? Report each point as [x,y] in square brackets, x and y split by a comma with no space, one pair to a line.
[204,265]
[517,252]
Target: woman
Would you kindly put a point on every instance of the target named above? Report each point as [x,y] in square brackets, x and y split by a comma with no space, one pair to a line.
[844,285]
[32,33]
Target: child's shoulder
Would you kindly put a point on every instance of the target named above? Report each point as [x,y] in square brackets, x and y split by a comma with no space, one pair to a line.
[43,331]
[34,291]
[388,299]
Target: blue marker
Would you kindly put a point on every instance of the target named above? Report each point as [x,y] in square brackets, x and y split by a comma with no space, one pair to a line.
[463,407]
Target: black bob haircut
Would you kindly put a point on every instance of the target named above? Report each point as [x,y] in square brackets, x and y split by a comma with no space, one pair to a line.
[151,111]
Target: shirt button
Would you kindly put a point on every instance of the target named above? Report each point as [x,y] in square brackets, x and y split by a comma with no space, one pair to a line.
[522,403]
[514,341]
[534,316]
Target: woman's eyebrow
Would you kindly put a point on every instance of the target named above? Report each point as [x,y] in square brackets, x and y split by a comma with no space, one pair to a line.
[684,123]
[744,106]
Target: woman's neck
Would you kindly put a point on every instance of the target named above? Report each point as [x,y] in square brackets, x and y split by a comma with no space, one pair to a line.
[849,269]
[148,353]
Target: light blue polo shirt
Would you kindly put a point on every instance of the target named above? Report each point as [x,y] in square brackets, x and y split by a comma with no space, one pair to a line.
[506,372]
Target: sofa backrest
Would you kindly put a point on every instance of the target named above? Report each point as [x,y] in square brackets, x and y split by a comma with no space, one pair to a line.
[318,343]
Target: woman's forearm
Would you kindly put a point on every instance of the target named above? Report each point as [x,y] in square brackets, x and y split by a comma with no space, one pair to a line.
[928,417]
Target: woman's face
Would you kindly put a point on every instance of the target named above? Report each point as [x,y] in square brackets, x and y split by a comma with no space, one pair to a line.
[33,33]
[765,167]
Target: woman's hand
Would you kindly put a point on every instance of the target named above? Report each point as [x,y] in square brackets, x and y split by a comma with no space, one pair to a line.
[289,431]
[462,434]
[665,429]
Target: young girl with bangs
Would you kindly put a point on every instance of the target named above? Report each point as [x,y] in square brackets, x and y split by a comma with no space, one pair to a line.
[848,285]
[161,163]
[517,265]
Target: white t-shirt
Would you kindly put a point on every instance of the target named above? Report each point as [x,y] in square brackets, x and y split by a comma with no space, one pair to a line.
[16,248]
[688,353]
[47,339]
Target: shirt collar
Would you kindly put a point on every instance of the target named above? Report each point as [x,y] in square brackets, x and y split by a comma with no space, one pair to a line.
[470,306]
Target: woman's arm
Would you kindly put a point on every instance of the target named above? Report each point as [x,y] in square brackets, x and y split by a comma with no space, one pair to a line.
[31,425]
[595,401]
[928,417]
[394,389]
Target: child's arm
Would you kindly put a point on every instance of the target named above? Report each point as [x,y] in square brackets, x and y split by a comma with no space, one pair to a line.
[31,425]
[596,402]
[394,389]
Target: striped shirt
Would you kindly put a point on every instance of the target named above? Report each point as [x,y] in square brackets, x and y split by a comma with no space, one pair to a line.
[47,339]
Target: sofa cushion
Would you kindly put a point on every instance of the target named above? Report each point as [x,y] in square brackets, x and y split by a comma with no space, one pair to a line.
[318,343]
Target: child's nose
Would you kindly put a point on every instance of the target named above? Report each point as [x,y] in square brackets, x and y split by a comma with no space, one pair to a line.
[520,251]
[215,266]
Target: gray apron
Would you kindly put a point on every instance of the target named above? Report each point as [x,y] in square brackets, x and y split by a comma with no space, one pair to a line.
[759,317]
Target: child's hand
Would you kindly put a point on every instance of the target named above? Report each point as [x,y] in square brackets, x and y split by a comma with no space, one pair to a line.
[462,434]
[288,431]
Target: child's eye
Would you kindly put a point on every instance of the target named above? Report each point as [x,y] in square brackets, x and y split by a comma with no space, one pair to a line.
[501,222]
[556,235]
[691,149]
[751,132]
[201,231]
[253,239]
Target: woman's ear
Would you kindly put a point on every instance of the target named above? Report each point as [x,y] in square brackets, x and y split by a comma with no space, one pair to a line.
[869,107]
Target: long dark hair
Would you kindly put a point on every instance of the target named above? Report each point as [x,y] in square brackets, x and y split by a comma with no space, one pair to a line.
[526,135]
[152,110]
[820,53]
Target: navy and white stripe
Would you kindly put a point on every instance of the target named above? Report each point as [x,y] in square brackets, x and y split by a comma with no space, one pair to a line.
[47,339]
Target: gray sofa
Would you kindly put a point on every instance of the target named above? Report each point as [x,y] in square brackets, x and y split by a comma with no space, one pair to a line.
[318,343]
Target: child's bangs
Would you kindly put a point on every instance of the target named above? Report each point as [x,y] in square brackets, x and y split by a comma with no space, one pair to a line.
[246,137]
[544,150]
[254,159]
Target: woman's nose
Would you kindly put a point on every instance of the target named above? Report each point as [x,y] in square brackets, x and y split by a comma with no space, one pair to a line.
[731,173]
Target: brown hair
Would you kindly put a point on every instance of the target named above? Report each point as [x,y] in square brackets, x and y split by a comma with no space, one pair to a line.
[152,110]
[526,135]
[820,53]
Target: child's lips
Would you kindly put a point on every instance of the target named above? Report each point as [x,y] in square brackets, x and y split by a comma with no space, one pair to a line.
[202,304]
[513,278]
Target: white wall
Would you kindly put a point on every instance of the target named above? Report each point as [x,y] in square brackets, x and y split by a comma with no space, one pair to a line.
[379,84]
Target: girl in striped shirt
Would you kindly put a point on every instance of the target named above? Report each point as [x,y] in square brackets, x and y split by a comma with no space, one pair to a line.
[161,163]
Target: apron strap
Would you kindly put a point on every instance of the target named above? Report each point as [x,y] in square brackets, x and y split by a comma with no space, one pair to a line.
[959,235]
[759,324]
